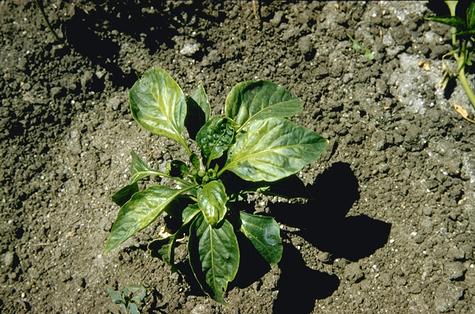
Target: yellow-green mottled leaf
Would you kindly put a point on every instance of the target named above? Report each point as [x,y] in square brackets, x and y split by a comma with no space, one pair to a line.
[272,149]
[212,200]
[252,100]
[140,211]
[158,105]
[214,256]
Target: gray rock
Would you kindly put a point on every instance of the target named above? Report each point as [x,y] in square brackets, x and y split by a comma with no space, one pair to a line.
[114,103]
[353,273]
[305,45]
[86,79]
[455,270]
[456,254]
[277,19]
[446,296]
[190,49]
[10,259]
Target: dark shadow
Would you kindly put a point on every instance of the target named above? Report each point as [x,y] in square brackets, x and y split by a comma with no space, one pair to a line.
[299,285]
[322,221]
[251,266]
[154,23]
[438,7]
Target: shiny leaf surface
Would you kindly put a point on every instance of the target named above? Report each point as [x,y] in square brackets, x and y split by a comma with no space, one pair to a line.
[214,256]
[272,149]
[252,100]
[199,95]
[141,210]
[158,105]
[215,137]
[212,200]
[264,234]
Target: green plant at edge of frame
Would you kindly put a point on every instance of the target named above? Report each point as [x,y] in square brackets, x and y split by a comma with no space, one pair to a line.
[129,298]
[462,35]
[252,143]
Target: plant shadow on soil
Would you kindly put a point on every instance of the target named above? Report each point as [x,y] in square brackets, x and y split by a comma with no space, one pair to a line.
[322,222]
[87,32]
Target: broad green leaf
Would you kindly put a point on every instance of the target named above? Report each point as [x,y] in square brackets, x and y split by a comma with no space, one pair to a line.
[125,193]
[140,211]
[215,137]
[133,308]
[454,21]
[272,149]
[199,95]
[214,256]
[264,234]
[212,200]
[252,100]
[189,213]
[158,105]
[471,16]
[116,296]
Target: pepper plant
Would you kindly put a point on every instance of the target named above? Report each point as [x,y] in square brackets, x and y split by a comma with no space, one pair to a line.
[462,38]
[252,142]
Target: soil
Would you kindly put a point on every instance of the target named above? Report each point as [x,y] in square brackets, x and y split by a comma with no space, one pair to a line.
[389,229]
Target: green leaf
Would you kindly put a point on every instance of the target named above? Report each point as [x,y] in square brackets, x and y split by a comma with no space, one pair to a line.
[252,100]
[189,213]
[264,234]
[195,162]
[454,21]
[471,16]
[214,256]
[158,105]
[125,193]
[167,249]
[138,165]
[133,308]
[272,149]
[200,97]
[215,137]
[140,211]
[212,200]
[116,296]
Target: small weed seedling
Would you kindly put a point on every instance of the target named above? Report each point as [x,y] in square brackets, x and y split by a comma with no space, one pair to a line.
[130,299]
[462,35]
[252,144]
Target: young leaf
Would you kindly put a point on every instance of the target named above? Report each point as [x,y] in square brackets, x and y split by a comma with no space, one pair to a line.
[125,193]
[199,95]
[454,21]
[254,100]
[215,137]
[141,210]
[213,255]
[158,105]
[138,165]
[272,149]
[471,16]
[189,213]
[167,249]
[212,200]
[264,234]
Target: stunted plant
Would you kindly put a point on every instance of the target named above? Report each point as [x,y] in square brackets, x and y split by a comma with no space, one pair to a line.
[252,142]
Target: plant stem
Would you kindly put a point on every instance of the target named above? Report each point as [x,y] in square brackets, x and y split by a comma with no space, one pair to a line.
[39,3]
[466,86]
